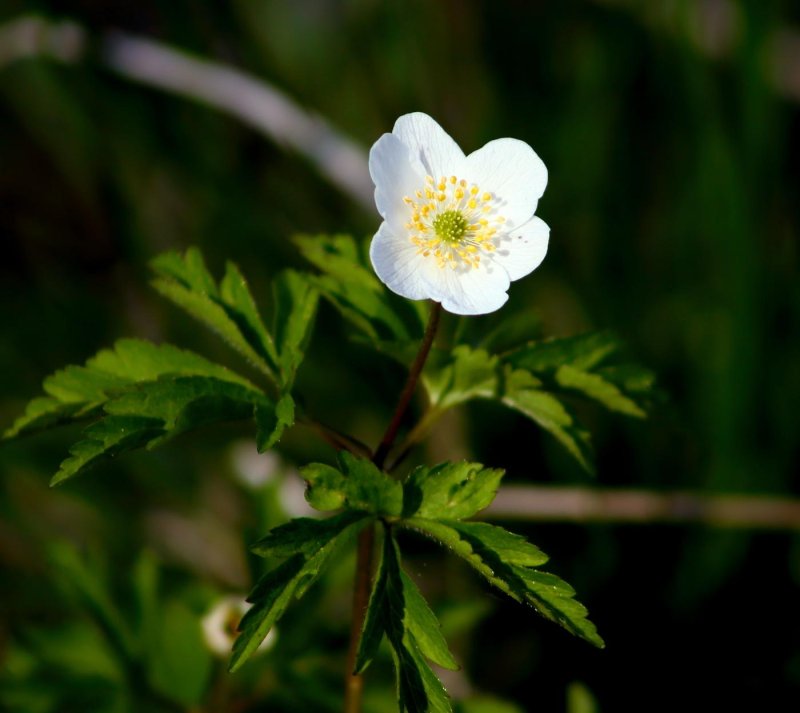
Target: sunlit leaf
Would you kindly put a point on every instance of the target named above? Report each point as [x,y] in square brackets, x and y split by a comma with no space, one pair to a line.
[272,420]
[295,302]
[506,564]
[352,287]
[228,309]
[450,490]
[151,412]
[79,391]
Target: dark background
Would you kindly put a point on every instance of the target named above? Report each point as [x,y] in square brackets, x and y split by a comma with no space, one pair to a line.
[670,131]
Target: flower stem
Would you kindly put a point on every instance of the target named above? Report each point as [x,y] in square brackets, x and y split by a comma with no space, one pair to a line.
[408,390]
[354,683]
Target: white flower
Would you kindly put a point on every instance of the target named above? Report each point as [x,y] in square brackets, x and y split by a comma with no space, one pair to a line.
[456,229]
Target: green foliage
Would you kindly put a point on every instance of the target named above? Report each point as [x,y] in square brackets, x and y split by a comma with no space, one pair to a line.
[449,490]
[349,284]
[506,563]
[308,544]
[398,611]
[357,483]
[295,308]
[143,394]
[590,365]
[155,411]
[77,392]
[523,394]
[536,378]
[227,308]
[272,421]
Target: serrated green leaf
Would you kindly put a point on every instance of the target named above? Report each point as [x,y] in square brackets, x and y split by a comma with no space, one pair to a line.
[45,412]
[499,557]
[304,535]
[474,373]
[235,294]
[107,438]
[189,269]
[271,596]
[295,308]
[368,488]
[82,384]
[78,392]
[424,626]
[554,599]
[151,412]
[137,360]
[272,420]
[581,365]
[583,351]
[419,689]
[450,490]
[357,482]
[204,309]
[229,309]
[522,394]
[352,287]
[375,622]
[595,387]
[398,610]
[186,402]
[508,546]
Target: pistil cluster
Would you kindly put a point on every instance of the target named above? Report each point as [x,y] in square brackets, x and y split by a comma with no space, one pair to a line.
[453,222]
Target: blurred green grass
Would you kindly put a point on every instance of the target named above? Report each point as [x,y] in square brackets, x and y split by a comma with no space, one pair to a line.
[673,203]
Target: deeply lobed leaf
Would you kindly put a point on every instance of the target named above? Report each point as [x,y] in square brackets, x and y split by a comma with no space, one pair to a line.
[522,394]
[228,309]
[398,610]
[351,286]
[295,308]
[308,544]
[506,561]
[150,412]
[533,378]
[80,391]
[583,351]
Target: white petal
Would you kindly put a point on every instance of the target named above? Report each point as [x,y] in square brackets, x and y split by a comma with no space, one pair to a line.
[393,176]
[476,291]
[513,173]
[433,152]
[399,266]
[521,250]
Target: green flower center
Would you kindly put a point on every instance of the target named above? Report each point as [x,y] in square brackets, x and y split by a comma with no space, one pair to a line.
[450,226]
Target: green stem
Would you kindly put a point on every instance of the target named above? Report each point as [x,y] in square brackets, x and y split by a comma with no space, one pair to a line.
[354,683]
